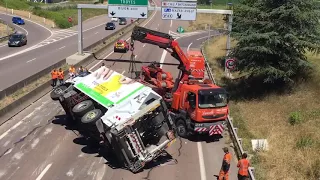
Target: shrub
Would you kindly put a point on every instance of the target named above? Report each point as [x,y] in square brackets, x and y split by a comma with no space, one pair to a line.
[295,118]
[304,142]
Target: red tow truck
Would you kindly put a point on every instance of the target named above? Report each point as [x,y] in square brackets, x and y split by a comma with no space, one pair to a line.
[197,104]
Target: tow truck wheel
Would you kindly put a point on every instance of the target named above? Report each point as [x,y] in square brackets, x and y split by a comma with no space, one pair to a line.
[181,128]
[91,116]
[82,108]
[57,92]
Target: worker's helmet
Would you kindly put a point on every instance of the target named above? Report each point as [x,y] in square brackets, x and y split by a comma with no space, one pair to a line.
[225,149]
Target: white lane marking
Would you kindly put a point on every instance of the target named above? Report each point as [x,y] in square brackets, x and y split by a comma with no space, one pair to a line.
[12,128]
[35,143]
[143,45]
[204,37]
[22,29]
[70,172]
[189,46]
[8,152]
[62,47]
[17,155]
[163,56]
[2,173]
[126,40]
[96,33]
[44,171]
[48,130]
[31,60]
[6,143]
[171,23]
[135,56]
[201,162]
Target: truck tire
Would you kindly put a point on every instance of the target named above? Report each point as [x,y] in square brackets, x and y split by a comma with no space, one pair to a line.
[181,128]
[91,116]
[82,108]
[57,92]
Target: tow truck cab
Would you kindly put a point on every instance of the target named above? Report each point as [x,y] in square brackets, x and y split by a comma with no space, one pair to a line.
[137,128]
[204,105]
[197,63]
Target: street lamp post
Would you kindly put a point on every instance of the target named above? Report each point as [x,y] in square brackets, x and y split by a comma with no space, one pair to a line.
[7,14]
[209,33]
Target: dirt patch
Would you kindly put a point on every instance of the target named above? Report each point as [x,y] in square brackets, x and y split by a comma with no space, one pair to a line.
[204,20]
[289,122]
[46,22]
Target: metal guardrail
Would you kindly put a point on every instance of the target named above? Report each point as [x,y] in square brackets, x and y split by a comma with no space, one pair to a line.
[237,142]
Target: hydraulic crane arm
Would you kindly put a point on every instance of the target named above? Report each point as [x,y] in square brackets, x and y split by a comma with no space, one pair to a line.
[164,41]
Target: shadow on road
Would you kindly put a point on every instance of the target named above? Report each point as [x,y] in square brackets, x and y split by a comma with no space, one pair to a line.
[92,146]
[204,138]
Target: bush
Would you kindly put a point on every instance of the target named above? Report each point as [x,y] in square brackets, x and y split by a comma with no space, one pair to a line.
[295,118]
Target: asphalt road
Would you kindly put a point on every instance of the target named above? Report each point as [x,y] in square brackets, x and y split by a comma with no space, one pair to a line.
[36,144]
[34,31]
[61,44]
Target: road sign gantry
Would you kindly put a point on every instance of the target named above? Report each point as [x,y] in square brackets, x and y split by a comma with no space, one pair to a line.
[128,8]
[138,3]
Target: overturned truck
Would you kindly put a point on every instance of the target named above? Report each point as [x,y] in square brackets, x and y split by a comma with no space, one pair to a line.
[131,118]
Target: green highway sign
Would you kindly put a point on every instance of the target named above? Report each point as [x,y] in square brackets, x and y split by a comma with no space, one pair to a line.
[180,29]
[128,2]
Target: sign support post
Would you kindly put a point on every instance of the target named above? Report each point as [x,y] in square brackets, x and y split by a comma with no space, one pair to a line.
[80,37]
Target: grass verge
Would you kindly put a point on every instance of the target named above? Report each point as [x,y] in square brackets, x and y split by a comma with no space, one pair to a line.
[203,22]
[58,14]
[290,122]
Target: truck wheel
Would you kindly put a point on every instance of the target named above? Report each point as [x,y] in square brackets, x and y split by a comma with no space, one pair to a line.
[91,116]
[181,128]
[57,92]
[82,108]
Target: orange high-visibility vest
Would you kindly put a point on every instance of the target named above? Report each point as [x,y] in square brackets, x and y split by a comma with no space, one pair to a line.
[54,74]
[227,158]
[60,75]
[72,70]
[243,165]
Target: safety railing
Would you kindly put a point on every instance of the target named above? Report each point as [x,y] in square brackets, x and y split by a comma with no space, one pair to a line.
[237,142]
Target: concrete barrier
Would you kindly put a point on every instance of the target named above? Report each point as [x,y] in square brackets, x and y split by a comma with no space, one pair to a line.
[22,103]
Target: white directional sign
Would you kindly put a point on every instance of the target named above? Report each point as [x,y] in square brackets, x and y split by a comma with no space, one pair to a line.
[179,13]
[128,11]
[179,10]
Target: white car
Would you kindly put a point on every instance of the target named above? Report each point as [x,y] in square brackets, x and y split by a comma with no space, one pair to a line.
[114,19]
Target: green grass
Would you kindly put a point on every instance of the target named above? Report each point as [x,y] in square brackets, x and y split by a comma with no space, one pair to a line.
[58,14]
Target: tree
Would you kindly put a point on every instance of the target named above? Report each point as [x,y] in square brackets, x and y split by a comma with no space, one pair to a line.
[273,37]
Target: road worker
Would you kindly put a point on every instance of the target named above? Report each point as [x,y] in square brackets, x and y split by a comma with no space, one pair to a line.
[60,76]
[102,65]
[224,172]
[80,70]
[243,165]
[54,77]
[72,71]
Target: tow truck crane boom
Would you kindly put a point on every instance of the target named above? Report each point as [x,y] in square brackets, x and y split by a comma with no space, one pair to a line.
[164,41]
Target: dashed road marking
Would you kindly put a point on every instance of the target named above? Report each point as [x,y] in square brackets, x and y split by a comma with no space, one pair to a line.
[31,60]
[44,171]
[12,128]
[62,47]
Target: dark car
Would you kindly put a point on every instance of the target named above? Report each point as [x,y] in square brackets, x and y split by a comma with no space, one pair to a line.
[110,26]
[122,21]
[17,40]
[18,20]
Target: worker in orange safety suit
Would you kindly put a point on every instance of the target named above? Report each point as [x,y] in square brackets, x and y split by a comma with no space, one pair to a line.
[60,76]
[54,77]
[224,172]
[72,71]
[243,165]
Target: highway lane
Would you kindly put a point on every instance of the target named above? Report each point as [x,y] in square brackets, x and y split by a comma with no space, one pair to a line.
[34,31]
[61,45]
[37,145]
